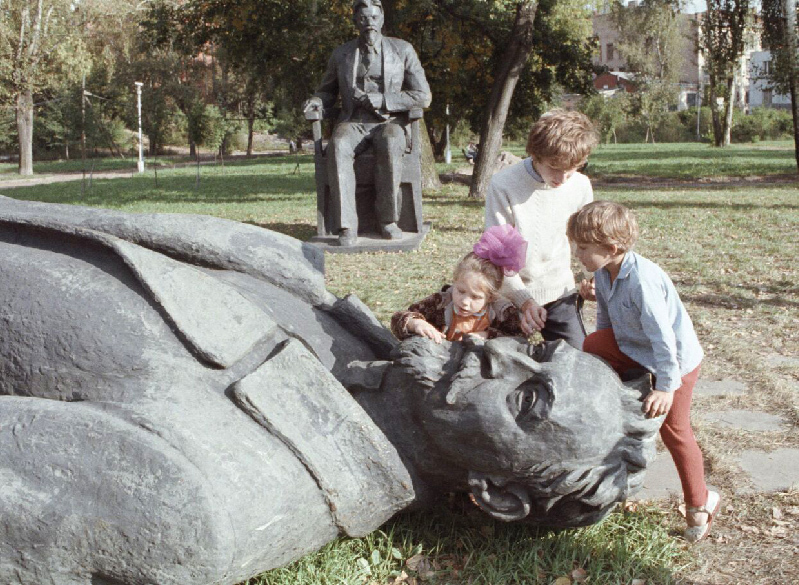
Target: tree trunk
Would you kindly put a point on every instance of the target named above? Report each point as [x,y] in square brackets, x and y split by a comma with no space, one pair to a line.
[729,106]
[24,113]
[793,50]
[795,112]
[250,130]
[192,149]
[505,78]
[718,134]
[430,179]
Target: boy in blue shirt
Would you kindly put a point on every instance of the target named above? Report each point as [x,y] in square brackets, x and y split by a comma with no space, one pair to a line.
[641,323]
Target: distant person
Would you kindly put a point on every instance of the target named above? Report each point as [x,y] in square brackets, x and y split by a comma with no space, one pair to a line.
[537,196]
[643,325]
[471,305]
[292,147]
[471,152]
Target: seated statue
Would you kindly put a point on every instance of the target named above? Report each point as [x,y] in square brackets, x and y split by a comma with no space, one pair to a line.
[379,80]
[182,401]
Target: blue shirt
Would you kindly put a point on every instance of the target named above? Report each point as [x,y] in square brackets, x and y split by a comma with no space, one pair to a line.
[649,321]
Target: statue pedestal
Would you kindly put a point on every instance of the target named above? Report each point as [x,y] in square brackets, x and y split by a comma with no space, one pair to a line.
[373,242]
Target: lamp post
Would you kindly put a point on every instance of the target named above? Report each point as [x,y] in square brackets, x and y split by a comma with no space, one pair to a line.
[138,105]
[447,150]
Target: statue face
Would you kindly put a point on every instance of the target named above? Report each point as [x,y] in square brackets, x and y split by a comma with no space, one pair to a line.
[369,20]
[519,426]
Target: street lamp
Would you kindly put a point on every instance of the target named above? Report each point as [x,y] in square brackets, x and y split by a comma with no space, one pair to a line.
[447,150]
[138,103]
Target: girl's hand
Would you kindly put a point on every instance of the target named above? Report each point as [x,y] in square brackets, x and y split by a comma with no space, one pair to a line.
[588,290]
[657,403]
[425,329]
[534,317]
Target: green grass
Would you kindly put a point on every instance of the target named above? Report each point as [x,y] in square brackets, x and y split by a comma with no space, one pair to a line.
[675,161]
[689,160]
[731,251]
[463,546]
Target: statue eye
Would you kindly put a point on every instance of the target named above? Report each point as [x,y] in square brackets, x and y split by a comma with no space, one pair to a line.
[530,401]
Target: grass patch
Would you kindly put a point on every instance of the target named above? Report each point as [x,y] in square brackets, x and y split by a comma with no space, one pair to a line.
[457,545]
[732,254]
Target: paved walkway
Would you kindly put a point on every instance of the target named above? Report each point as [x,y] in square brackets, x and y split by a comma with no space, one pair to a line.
[762,471]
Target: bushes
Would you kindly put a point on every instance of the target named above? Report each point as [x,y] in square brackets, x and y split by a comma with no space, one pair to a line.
[760,124]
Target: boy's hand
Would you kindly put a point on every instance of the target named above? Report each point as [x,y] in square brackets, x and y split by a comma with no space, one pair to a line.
[657,402]
[534,317]
[588,290]
[425,329]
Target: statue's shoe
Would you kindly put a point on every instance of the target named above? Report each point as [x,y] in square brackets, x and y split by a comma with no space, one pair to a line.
[347,237]
[391,231]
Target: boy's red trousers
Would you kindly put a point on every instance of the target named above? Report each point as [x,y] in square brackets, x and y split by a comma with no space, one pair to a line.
[676,431]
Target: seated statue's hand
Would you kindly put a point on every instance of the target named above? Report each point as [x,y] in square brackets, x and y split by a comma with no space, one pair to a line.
[375,101]
[312,104]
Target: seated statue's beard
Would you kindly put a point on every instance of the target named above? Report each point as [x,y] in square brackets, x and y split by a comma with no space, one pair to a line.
[371,37]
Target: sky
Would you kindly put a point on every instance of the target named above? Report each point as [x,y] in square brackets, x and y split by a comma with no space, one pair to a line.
[692,6]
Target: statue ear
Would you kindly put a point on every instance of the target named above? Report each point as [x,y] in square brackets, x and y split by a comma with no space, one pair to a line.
[507,358]
[500,500]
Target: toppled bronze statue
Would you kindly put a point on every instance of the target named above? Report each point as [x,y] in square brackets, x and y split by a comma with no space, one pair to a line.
[173,407]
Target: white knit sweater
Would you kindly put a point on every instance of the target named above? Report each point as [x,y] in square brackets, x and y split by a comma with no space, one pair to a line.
[540,214]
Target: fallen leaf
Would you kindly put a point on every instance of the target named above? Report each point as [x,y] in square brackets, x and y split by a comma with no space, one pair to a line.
[729,509]
[750,529]
[638,582]
[681,510]
[418,562]
[487,530]
[401,578]
[426,575]
[776,513]
[630,506]
[579,575]
[779,531]
[562,581]
[793,510]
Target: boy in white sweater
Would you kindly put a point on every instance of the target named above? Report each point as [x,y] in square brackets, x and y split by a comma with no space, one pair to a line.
[537,196]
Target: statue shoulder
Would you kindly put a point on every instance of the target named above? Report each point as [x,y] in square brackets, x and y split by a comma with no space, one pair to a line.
[400,45]
[345,49]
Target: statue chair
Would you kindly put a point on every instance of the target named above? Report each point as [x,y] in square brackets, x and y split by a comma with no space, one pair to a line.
[410,185]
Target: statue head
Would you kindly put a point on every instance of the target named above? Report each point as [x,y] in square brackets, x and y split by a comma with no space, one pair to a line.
[547,435]
[368,17]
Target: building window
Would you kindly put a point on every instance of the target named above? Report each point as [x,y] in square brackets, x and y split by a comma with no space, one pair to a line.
[609,52]
[766,67]
[766,97]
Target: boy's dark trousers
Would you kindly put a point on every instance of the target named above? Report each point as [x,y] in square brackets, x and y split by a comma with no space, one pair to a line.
[565,320]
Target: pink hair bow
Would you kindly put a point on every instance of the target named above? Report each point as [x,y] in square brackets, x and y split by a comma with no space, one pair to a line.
[503,246]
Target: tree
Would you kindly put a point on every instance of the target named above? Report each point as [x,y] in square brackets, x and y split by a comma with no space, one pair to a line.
[651,42]
[780,31]
[722,41]
[608,113]
[506,75]
[39,46]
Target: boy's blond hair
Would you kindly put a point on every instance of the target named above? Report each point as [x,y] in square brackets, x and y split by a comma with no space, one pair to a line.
[562,138]
[604,222]
[491,274]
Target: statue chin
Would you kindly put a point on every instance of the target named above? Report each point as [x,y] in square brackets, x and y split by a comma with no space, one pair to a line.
[503,501]
[372,37]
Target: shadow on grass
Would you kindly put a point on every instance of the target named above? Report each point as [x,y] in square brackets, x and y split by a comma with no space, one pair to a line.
[737,302]
[177,189]
[709,205]
[301,231]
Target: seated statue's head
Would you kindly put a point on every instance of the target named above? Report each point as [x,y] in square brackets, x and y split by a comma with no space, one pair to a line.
[544,434]
[368,17]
